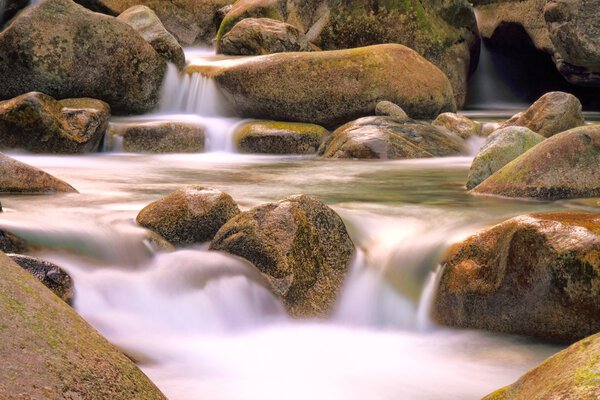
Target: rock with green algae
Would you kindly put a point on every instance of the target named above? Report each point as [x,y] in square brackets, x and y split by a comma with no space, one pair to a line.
[18,177]
[40,124]
[50,352]
[157,137]
[535,275]
[572,374]
[390,138]
[444,32]
[273,137]
[329,88]
[299,244]
[500,148]
[561,167]
[64,50]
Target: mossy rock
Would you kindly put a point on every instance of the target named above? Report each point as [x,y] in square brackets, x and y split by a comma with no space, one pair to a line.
[273,137]
[561,167]
[299,244]
[18,177]
[50,352]
[535,275]
[157,137]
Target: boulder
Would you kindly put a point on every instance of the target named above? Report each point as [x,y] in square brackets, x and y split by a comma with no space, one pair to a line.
[51,275]
[272,137]
[561,167]
[458,124]
[59,48]
[332,87]
[192,22]
[389,138]
[147,24]
[40,124]
[444,32]
[258,36]
[535,275]
[388,109]
[299,244]
[500,148]
[552,113]
[18,177]
[50,352]
[158,137]
[571,374]
[189,215]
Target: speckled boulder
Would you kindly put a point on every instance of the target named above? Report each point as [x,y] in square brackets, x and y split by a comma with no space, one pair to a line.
[500,148]
[189,215]
[158,137]
[59,48]
[561,167]
[50,352]
[299,244]
[389,138]
[536,275]
[458,124]
[18,177]
[272,137]
[40,124]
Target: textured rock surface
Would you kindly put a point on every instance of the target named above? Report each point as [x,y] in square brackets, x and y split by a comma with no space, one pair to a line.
[536,275]
[299,244]
[17,177]
[388,109]
[51,275]
[329,88]
[272,137]
[458,124]
[159,137]
[59,48]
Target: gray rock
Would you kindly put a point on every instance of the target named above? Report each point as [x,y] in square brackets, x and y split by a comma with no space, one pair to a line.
[157,137]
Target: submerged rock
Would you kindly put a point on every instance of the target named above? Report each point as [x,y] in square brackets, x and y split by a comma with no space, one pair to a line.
[38,123]
[299,244]
[59,48]
[50,352]
[458,124]
[189,215]
[332,87]
[500,148]
[561,167]
[159,137]
[536,275]
[389,138]
[18,177]
[272,137]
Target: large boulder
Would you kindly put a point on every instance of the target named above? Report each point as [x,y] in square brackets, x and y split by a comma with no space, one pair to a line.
[189,215]
[192,22]
[147,24]
[38,123]
[50,352]
[59,48]
[156,137]
[552,113]
[332,87]
[500,148]
[18,177]
[299,244]
[572,374]
[390,138]
[563,166]
[536,275]
[273,137]
[444,32]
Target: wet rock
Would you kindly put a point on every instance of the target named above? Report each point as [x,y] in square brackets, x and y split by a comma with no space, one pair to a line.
[189,215]
[272,137]
[38,123]
[388,138]
[10,243]
[458,124]
[552,113]
[159,137]
[332,87]
[63,50]
[536,275]
[51,275]
[561,167]
[18,177]
[299,244]
[500,148]
[50,352]
[147,24]
[257,36]
[389,109]
[571,374]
